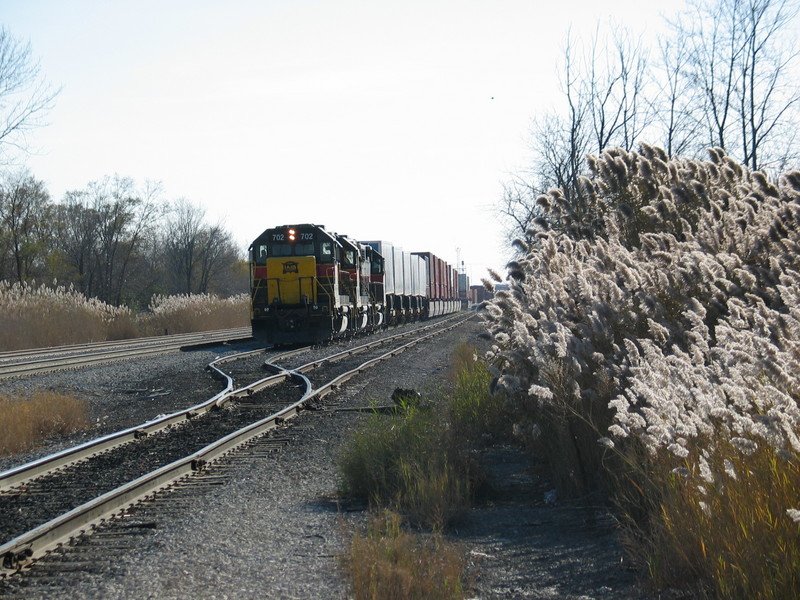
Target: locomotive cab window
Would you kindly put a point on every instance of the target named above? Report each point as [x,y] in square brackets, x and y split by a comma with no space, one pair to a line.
[260,252]
[349,259]
[326,252]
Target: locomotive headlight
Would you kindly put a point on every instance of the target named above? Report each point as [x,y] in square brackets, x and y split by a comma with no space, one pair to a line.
[292,233]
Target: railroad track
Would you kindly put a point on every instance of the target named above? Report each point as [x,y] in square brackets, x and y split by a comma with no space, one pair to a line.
[45,503]
[21,363]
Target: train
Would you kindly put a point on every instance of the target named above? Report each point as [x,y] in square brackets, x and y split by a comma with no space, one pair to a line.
[310,285]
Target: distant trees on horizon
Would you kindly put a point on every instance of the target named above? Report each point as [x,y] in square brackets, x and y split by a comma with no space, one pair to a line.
[114,241]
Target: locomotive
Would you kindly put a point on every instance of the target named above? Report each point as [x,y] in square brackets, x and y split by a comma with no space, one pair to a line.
[309,285]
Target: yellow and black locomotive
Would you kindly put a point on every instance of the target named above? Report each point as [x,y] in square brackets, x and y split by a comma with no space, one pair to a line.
[309,285]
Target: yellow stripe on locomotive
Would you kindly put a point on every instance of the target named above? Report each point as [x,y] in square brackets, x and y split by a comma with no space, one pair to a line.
[292,280]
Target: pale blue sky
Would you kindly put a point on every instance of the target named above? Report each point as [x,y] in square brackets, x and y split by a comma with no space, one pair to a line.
[395,120]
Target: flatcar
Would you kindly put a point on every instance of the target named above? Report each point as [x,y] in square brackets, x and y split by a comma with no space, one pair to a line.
[309,285]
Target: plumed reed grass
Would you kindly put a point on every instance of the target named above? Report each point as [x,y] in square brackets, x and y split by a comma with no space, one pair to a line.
[33,316]
[387,562]
[196,312]
[663,319]
[26,421]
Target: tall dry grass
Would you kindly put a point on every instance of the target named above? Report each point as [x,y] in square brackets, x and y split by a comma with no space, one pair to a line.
[34,316]
[720,522]
[26,421]
[387,562]
[196,312]
[662,320]
[416,470]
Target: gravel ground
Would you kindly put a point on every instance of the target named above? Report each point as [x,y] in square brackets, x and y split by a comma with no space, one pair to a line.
[273,528]
[125,393]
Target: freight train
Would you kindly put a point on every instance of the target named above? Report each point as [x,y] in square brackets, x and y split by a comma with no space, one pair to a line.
[309,285]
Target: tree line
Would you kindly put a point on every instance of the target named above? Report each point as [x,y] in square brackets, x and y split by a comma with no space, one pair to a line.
[114,240]
[724,77]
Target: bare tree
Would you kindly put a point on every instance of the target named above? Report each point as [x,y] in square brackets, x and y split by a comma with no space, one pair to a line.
[604,104]
[218,254]
[518,207]
[766,94]
[25,97]
[124,215]
[76,231]
[181,241]
[742,63]
[101,229]
[675,107]
[196,253]
[615,76]
[24,225]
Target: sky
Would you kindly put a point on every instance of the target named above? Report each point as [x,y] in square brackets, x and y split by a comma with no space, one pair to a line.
[382,119]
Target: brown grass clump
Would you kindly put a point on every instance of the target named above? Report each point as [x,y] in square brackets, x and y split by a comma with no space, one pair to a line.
[417,463]
[26,421]
[723,525]
[411,463]
[390,563]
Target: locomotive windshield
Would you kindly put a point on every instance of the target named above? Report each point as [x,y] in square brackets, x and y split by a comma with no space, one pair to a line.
[293,241]
[349,259]
[289,241]
[291,249]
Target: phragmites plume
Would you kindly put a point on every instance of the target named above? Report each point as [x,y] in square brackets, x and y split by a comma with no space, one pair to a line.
[717,155]
[789,185]
[673,302]
[520,246]
[494,275]
[591,161]
[542,223]
[516,270]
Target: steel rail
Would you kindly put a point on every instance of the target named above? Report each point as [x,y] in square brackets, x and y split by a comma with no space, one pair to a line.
[335,383]
[234,332]
[316,364]
[18,475]
[17,552]
[27,363]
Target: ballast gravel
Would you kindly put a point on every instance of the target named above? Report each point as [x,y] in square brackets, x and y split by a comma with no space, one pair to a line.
[273,526]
